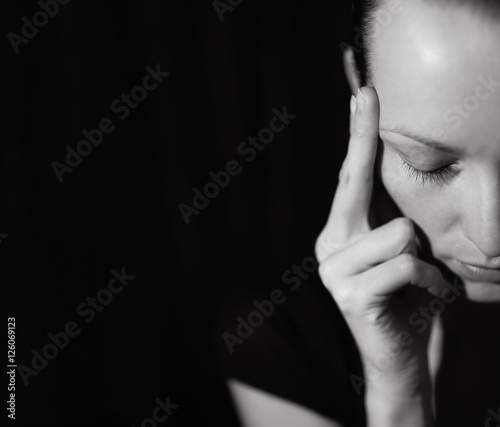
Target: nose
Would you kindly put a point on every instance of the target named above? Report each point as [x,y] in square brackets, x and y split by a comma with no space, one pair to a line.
[482,204]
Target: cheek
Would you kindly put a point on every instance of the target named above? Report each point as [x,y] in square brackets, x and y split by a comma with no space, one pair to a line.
[427,205]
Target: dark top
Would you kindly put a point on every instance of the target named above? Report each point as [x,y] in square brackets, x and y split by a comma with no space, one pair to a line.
[305,353]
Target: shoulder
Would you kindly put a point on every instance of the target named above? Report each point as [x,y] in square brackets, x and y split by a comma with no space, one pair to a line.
[293,344]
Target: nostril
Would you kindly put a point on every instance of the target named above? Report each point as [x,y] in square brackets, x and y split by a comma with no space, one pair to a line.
[484,231]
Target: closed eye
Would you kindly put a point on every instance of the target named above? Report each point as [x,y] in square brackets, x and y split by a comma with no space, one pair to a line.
[438,176]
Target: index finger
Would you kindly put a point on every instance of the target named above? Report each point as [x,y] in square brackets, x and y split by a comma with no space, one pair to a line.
[351,204]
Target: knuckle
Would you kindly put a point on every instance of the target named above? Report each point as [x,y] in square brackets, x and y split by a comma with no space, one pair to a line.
[318,249]
[344,297]
[407,263]
[322,248]
[318,252]
[328,243]
[326,272]
[404,231]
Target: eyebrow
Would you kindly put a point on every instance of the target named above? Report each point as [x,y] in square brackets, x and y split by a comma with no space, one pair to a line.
[420,139]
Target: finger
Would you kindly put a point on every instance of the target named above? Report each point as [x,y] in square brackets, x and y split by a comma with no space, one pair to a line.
[376,247]
[354,191]
[351,203]
[406,269]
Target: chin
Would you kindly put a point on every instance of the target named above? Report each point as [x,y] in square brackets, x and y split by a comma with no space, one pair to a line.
[482,291]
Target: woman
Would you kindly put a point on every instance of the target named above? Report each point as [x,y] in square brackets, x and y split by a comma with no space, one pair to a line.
[415,222]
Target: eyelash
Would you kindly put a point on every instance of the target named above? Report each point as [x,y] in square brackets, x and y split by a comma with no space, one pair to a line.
[439,176]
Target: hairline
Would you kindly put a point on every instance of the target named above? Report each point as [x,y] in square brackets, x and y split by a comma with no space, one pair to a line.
[488,8]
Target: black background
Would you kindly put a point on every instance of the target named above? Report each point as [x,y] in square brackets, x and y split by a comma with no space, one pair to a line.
[119,207]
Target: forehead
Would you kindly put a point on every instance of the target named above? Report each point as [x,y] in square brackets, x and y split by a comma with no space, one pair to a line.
[427,63]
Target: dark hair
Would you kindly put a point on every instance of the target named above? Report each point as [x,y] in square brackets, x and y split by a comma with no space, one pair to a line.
[363,12]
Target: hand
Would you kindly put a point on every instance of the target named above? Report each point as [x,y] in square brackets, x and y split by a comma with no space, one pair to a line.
[374,275]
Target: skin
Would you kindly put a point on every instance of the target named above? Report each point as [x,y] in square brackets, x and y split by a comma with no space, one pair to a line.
[363,267]
[427,60]
[426,65]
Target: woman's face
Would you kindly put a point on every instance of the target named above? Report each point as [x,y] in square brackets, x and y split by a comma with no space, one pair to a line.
[437,73]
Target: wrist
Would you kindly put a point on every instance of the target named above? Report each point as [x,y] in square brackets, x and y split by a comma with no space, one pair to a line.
[388,407]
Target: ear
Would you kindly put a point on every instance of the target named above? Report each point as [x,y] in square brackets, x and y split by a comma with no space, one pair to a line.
[351,71]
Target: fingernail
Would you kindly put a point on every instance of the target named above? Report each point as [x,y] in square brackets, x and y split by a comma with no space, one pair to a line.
[362,99]
[353,105]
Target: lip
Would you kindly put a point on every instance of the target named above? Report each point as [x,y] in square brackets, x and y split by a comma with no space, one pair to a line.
[477,273]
